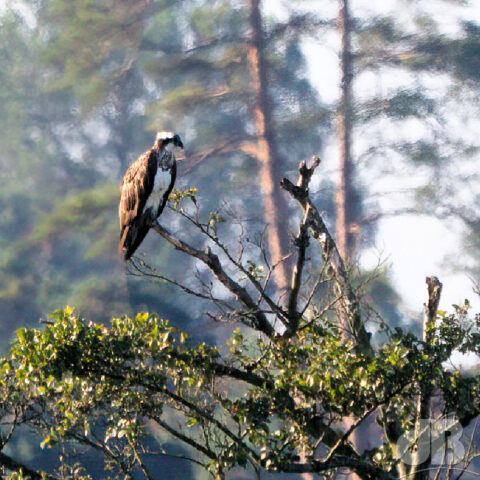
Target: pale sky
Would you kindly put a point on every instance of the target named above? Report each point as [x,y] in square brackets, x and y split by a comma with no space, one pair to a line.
[415,246]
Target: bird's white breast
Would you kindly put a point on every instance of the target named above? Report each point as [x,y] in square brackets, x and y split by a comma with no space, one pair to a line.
[161,184]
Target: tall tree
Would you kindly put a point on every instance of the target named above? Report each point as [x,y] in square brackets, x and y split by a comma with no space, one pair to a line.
[270,167]
[229,70]
[345,193]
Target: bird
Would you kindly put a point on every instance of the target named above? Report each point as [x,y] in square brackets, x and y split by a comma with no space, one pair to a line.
[144,191]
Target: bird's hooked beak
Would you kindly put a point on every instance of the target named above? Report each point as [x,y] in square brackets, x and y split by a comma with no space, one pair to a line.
[177,142]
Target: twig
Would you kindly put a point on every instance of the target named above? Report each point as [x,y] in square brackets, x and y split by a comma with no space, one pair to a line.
[344,437]
[145,273]
[258,286]
[212,262]
[322,312]
[320,280]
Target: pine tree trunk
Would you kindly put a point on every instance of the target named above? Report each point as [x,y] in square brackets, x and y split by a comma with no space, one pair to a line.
[344,197]
[274,204]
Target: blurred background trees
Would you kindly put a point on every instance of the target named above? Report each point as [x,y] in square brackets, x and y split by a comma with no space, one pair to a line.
[85,85]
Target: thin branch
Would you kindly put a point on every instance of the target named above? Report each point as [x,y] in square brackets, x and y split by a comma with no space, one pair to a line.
[320,280]
[99,445]
[163,453]
[322,312]
[148,271]
[345,436]
[258,286]
[191,406]
[211,261]
[144,469]
[13,425]
[364,416]
[12,465]
[184,438]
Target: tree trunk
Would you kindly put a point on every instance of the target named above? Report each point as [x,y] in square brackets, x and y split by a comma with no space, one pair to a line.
[344,197]
[274,204]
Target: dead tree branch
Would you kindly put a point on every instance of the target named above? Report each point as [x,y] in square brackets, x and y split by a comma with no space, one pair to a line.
[434,286]
[256,284]
[302,244]
[330,254]
[213,263]
[138,268]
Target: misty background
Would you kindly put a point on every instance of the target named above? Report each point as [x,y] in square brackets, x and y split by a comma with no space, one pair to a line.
[85,84]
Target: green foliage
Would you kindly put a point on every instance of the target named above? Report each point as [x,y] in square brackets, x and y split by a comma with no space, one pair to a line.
[84,380]
[88,210]
[178,196]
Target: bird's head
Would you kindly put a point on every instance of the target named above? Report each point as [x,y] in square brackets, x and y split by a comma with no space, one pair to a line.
[165,138]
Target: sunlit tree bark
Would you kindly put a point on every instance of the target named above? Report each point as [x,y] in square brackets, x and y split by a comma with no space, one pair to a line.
[344,195]
[266,152]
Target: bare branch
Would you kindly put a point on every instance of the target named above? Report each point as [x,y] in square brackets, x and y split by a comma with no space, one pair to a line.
[302,244]
[258,286]
[212,262]
[189,441]
[14,466]
[322,312]
[320,280]
[145,270]
[330,254]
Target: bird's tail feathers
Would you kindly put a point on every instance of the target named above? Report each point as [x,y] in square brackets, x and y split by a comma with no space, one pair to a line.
[132,236]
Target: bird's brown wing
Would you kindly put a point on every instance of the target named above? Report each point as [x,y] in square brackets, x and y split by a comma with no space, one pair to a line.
[136,187]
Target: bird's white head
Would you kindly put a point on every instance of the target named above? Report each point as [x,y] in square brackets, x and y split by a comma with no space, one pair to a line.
[165,138]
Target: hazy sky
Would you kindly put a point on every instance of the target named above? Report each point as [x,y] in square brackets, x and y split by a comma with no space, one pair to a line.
[415,246]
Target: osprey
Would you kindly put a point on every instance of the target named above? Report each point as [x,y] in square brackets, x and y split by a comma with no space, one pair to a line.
[144,191]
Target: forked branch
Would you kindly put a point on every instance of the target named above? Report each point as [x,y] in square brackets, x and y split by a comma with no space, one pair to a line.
[330,254]
[213,263]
